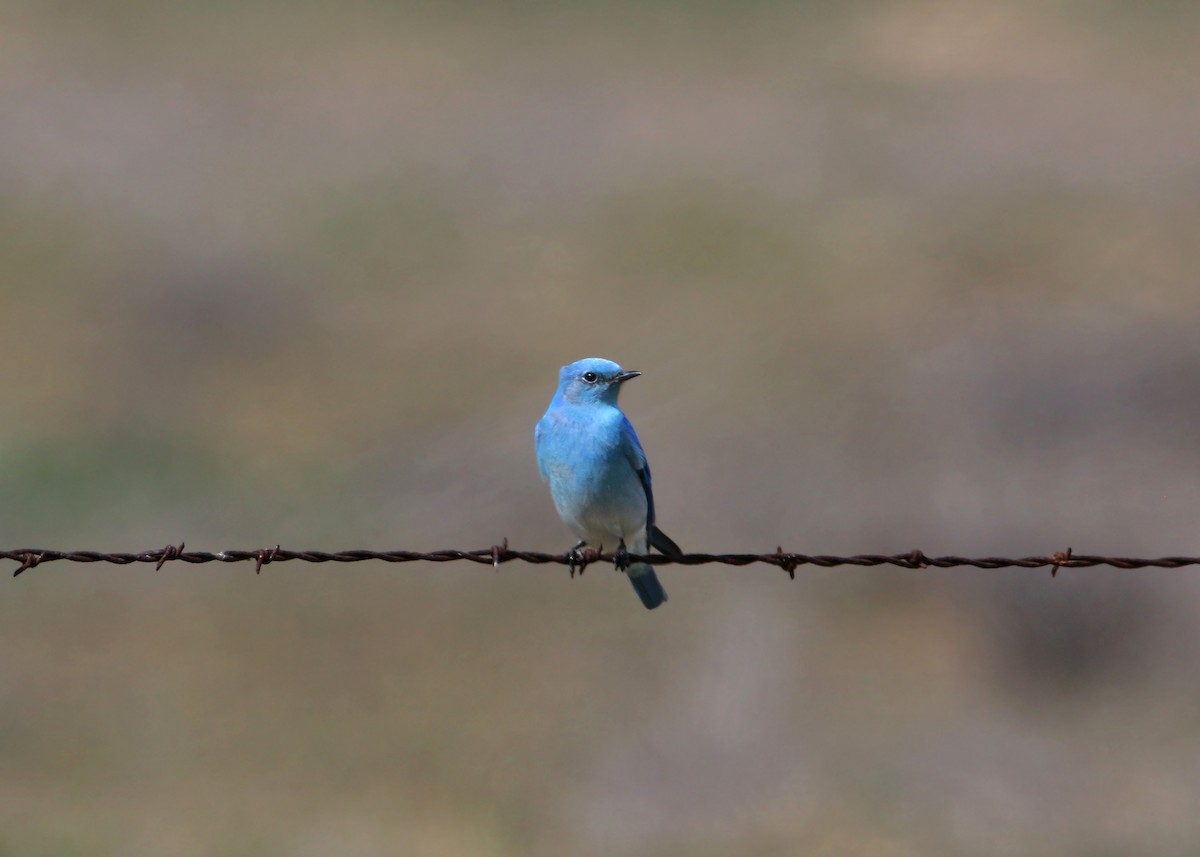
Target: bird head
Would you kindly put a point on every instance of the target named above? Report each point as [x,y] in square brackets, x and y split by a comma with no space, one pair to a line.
[592,379]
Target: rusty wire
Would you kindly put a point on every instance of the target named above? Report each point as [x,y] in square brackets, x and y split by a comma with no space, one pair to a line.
[502,553]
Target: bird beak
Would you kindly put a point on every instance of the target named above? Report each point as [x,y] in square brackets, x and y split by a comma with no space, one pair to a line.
[626,375]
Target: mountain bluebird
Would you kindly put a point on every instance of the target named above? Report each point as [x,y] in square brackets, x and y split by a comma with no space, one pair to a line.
[590,455]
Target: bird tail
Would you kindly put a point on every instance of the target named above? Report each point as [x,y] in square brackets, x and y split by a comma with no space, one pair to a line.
[645,583]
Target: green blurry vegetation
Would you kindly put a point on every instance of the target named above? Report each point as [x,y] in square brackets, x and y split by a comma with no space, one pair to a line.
[390,236]
[45,249]
[95,481]
[701,235]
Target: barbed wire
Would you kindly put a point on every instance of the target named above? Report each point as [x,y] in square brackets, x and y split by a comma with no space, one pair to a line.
[501,553]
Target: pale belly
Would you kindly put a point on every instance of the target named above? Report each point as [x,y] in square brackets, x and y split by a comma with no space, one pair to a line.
[603,507]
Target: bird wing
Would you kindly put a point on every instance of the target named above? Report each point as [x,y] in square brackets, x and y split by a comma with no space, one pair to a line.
[537,445]
[637,457]
[664,543]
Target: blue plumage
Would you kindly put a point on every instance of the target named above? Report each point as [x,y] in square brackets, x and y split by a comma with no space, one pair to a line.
[599,479]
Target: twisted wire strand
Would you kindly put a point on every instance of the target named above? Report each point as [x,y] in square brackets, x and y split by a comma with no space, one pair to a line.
[501,553]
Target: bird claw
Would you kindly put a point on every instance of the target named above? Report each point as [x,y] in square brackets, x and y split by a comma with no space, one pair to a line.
[621,557]
[577,558]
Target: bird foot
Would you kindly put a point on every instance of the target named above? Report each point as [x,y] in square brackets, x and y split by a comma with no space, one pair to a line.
[579,556]
[621,557]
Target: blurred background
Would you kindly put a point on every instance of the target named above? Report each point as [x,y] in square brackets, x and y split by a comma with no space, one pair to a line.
[899,275]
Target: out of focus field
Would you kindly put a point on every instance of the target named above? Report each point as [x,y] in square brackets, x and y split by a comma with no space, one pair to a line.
[899,275]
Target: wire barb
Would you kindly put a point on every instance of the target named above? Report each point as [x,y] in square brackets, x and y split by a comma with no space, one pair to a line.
[28,560]
[1059,560]
[168,553]
[786,561]
[264,556]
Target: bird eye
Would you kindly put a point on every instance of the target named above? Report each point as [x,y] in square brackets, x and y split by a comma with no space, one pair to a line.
[590,377]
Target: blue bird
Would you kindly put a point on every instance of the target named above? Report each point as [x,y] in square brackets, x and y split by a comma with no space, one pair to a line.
[591,457]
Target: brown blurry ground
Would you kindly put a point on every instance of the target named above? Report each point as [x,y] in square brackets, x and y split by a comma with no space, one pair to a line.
[899,274]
